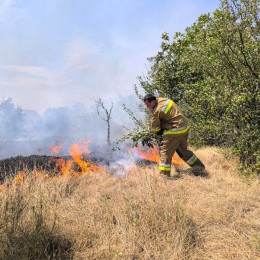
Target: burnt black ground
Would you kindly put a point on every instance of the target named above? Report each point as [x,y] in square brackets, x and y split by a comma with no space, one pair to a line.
[48,164]
[11,166]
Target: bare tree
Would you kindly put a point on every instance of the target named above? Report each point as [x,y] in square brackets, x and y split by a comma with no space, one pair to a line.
[105,115]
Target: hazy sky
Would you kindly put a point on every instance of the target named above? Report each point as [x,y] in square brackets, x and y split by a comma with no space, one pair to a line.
[60,52]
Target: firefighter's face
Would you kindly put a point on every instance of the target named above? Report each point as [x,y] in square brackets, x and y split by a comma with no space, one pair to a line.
[151,104]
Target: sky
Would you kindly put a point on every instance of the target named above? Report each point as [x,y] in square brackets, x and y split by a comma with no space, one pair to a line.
[57,53]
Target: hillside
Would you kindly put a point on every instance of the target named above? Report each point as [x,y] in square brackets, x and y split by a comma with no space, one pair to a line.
[139,216]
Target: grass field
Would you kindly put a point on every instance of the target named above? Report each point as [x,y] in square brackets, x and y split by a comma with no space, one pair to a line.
[139,216]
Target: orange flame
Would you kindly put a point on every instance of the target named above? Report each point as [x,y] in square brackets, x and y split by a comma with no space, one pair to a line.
[77,151]
[56,148]
[19,178]
[65,167]
[86,166]
[39,174]
[153,155]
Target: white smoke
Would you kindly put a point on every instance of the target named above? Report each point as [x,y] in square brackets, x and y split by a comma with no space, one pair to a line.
[121,167]
[25,132]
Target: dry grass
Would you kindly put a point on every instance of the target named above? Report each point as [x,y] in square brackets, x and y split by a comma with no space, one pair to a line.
[141,216]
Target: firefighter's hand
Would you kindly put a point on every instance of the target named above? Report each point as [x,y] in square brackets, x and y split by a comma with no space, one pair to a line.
[159,140]
[160,133]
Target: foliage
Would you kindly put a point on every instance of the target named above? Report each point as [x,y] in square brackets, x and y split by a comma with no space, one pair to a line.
[212,71]
[141,132]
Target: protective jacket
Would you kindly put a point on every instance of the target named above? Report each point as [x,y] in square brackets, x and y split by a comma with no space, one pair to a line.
[168,118]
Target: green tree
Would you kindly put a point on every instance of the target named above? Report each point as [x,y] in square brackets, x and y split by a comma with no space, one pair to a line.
[212,71]
[226,49]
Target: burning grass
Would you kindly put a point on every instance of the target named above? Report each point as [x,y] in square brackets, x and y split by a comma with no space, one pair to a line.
[140,216]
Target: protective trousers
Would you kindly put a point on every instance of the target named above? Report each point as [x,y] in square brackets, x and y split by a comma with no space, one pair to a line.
[178,143]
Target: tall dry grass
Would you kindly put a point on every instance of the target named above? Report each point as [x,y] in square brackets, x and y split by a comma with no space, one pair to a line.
[140,216]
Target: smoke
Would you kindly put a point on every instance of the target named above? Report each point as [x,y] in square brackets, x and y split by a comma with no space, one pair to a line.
[120,167]
[26,132]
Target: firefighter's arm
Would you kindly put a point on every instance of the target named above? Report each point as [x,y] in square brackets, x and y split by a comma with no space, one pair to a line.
[156,123]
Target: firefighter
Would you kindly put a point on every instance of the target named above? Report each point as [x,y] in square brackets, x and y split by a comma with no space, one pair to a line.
[168,122]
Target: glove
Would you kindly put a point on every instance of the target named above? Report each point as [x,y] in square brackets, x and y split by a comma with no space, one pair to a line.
[160,132]
[159,140]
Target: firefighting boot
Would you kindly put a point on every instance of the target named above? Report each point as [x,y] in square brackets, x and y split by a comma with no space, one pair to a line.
[198,167]
[165,173]
[198,163]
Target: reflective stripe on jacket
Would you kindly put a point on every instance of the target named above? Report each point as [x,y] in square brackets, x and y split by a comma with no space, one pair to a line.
[168,117]
[177,131]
